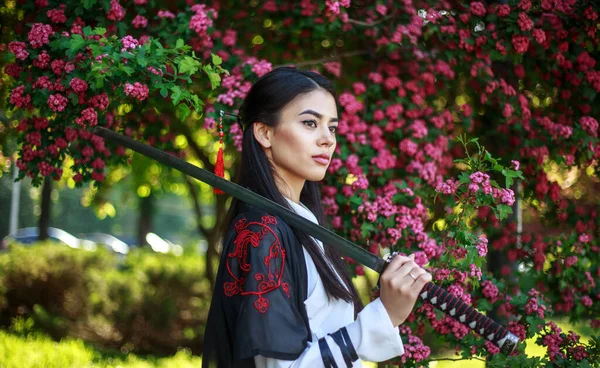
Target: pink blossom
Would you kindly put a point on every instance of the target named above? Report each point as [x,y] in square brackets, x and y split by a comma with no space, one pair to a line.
[200,22]
[448,187]
[129,43]
[69,67]
[13,70]
[482,246]
[478,9]
[19,49]
[139,21]
[56,15]
[475,272]
[515,164]
[489,291]
[57,102]
[520,43]
[261,68]
[18,99]
[333,67]
[360,183]
[137,90]
[524,22]
[589,125]
[166,14]
[44,82]
[503,10]
[539,35]
[99,101]
[58,66]
[88,115]
[38,35]
[78,85]
[116,12]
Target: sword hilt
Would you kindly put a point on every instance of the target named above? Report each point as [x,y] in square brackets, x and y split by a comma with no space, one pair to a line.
[470,317]
[482,325]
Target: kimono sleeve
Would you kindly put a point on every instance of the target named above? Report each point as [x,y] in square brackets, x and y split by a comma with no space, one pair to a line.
[259,281]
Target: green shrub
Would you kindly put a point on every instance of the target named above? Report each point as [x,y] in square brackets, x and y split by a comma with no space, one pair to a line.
[148,303]
[22,348]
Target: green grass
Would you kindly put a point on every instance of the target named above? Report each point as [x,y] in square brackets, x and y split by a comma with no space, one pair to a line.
[36,350]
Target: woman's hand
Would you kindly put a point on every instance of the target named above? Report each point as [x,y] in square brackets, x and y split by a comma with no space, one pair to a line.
[401,283]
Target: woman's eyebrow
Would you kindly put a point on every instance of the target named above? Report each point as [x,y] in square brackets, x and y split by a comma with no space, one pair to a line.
[312,112]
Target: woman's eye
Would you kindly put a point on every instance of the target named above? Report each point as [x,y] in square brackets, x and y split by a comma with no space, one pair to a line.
[311,123]
[333,129]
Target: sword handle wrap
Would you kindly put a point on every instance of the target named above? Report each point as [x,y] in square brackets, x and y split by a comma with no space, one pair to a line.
[470,317]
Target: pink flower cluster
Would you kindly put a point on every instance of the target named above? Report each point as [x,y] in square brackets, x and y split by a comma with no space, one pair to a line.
[116,11]
[261,68]
[165,14]
[88,115]
[590,125]
[57,15]
[447,187]
[18,98]
[413,346]
[57,102]
[490,291]
[129,43]
[201,21]
[99,101]
[139,21]
[38,35]
[137,90]
[78,85]
[19,49]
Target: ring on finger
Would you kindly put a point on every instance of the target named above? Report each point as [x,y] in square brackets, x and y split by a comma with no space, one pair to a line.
[411,275]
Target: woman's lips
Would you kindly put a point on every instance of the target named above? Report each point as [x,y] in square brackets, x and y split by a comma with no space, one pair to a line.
[322,160]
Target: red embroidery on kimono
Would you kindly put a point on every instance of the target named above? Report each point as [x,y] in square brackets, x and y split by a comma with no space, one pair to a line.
[274,262]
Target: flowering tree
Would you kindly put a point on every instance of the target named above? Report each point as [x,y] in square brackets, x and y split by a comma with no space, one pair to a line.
[414,77]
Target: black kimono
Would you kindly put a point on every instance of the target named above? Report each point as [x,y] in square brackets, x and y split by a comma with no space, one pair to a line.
[261,262]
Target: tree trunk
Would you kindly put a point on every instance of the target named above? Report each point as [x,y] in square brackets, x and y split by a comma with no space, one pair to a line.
[44,220]
[146,209]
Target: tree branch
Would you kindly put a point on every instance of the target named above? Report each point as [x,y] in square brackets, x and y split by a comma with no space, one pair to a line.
[455,360]
[370,24]
[325,60]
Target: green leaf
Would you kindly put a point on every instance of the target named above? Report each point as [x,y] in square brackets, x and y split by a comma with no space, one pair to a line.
[99,31]
[216,59]
[87,31]
[179,44]
[177,94]
[76,43]
[87,4]
[164,92]
[215,79]
[183,111]
[189,65]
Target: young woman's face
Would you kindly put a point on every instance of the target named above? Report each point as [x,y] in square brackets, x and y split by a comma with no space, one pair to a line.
[304,141]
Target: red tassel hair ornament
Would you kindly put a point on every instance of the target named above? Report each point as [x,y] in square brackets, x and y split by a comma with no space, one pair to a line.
[219,166]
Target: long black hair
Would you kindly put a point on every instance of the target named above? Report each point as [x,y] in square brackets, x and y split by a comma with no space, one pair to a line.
[264,103]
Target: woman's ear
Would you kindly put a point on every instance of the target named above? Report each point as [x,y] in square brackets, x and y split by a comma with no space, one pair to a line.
[262,134]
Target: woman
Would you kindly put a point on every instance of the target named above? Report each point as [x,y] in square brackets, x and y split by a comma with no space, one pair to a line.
[281,298]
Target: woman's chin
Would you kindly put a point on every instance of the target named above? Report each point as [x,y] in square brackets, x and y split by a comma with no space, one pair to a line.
[317,175]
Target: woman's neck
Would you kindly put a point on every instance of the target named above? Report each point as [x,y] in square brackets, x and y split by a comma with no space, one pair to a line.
[290,191]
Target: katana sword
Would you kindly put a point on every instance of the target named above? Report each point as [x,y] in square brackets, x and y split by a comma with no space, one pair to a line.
[431,293]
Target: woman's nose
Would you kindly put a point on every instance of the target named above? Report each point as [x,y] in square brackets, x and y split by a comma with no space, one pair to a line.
[327,137]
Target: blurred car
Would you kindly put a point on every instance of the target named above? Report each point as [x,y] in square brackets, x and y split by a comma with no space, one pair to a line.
[161,245]
[30,235]
[111,242]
